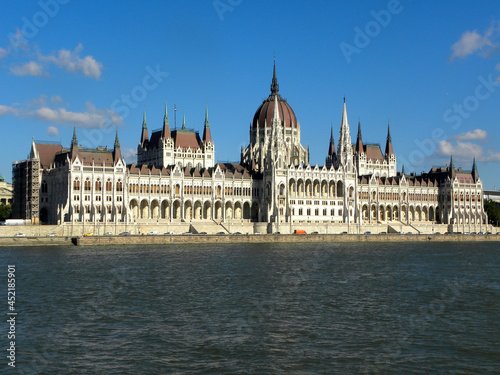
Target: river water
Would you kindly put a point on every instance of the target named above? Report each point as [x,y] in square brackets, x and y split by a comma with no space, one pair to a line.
[350,308]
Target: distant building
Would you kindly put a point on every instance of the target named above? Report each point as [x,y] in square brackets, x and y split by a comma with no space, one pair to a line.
[494,195]
[6,191]
[176,179]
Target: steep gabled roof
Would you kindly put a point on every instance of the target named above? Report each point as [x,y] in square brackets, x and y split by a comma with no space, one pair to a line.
[96,157]
[186,139]
[47,153]
[373,152]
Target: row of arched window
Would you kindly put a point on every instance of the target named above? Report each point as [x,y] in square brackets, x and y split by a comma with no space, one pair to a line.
[87,184]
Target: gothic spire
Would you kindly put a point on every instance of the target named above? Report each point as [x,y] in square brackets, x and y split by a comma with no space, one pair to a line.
[74,145]
[331,147]
[344,148]
[388,145]
[274,84]
[475,173]
[74,142]
[451,168]
[276,114]
[117,151]
[166,125]
[184,122]
[359,140]
[206,129]
[34,151]
[144,135]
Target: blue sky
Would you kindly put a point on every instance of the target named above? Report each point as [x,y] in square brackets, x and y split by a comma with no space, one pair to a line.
[429,68]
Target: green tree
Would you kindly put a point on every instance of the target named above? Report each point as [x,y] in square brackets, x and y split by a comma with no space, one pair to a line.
[493,211]
[5,211]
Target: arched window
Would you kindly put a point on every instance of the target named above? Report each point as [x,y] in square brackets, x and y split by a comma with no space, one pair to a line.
[109,185]
[44,186]
[98,185]
[76,184]
[88,186]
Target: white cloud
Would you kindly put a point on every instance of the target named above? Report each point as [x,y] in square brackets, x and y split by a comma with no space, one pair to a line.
[473,135]
[3,53]
[130,155]
[466,151]
[471,42]
[39,108]
[31,68]
[53,131]
[4,110]
[56,99]
[91,118]
[72,62]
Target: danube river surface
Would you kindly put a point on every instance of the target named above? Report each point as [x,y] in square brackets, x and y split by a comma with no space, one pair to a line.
[354,308]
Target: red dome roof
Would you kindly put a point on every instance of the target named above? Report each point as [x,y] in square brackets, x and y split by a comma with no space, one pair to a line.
[266,109]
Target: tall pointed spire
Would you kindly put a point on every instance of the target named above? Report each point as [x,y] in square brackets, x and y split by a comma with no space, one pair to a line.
[331,146]
[117,151]
[276,113]
[475,173]
[74,142]
[359,140]
[144,135]
[274,84]
[184,122]
[74,145]
[206,129]
[451,168]
[34,151]
[388,144]
[166,124]
[344,148]
[403,170]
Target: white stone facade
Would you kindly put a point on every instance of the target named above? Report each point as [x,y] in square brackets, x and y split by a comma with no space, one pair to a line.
[176,179]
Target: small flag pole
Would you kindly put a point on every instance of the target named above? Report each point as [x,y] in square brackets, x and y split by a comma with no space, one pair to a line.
[175,116]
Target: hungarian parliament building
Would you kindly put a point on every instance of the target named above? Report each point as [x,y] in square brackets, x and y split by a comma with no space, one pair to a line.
[176,179]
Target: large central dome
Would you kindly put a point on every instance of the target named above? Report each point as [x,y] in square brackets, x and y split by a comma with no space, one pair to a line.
[264,114]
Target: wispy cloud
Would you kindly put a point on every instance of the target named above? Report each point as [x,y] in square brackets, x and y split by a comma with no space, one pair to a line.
[53,131]
[31,68]
[463,147]
[5,110]
[3,53]
[54,113]
[473,135]
[72,62]
[91,118]
[129,154]
[473,42]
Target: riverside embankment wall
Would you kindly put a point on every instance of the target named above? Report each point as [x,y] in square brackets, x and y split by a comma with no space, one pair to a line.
[269,238]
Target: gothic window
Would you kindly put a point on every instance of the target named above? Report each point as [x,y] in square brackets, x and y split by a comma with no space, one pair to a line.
[88,186]
[109,185]
[98,185]
[44,187]
[119,186]
[76,184]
